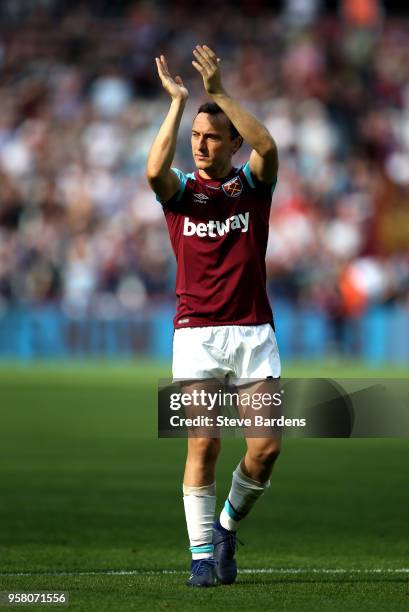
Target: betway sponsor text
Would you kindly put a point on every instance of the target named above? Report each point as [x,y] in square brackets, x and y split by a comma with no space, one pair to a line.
[217,228]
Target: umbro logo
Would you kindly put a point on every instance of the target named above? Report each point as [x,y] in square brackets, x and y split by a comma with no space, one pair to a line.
[200,198]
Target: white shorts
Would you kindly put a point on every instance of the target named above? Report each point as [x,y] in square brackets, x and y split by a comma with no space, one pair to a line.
[233,351]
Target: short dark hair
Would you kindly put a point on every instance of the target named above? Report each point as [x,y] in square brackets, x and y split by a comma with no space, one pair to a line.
[211,108]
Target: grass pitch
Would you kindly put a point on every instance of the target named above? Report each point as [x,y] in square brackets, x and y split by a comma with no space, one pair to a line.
[90,503]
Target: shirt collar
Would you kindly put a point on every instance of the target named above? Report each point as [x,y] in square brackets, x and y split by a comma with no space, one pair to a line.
[215,182]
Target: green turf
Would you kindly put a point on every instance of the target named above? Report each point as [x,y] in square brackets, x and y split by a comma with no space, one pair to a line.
[87,487]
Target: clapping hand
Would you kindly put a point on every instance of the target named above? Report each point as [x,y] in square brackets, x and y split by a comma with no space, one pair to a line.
[173,86]
[207,63]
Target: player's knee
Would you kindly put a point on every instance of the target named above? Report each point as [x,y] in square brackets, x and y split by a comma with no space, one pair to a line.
[204,449]
[265,454]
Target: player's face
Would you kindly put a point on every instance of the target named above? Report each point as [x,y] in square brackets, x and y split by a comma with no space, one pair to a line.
[212,144]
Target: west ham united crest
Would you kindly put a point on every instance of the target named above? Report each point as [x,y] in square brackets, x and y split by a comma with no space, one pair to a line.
[233,187]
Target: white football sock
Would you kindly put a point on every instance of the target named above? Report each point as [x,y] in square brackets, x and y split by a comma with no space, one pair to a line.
[243,495]
[200,504]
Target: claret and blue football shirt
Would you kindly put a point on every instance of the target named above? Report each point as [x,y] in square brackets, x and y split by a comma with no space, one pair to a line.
[219,232]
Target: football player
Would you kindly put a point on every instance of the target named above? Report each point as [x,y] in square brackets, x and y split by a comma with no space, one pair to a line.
[218,222]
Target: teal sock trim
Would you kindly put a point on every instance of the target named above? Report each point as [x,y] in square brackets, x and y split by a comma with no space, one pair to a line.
[204,548]
[232,512]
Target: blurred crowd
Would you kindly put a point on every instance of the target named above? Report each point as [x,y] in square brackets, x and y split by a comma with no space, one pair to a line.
[81,103]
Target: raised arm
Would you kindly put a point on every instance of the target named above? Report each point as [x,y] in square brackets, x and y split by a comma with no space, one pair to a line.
[263,158]
[163,181]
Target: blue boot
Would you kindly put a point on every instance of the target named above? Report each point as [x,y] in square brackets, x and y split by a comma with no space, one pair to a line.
[225,544]
[202,573]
